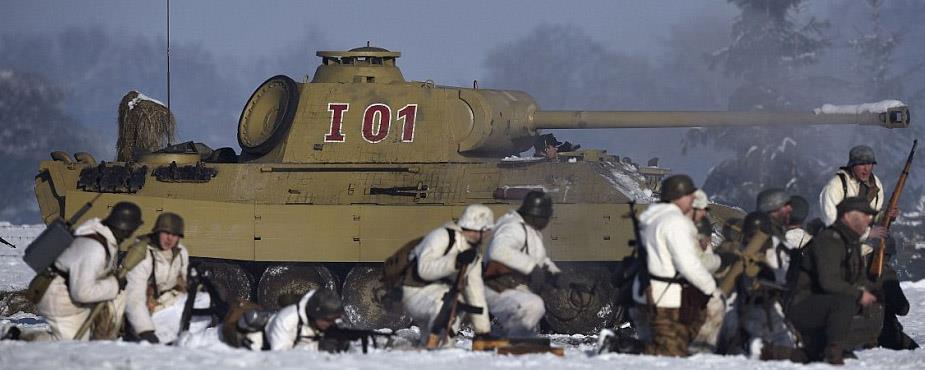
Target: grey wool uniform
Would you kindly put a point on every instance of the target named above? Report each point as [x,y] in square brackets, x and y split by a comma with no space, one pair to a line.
[436,269]
[84,279]
[161,274]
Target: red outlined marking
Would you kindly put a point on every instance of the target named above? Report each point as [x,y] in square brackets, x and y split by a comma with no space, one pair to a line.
[407,115]
[335,134]
[376,134]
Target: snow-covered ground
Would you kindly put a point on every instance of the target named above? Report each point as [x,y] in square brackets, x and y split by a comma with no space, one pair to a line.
[209,353]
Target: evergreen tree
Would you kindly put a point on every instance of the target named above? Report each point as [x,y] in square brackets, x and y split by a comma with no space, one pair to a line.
[768,51]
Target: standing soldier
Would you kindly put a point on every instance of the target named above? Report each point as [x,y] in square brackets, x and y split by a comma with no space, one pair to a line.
[85,275]
[158,281]
[832,285]
[438,259]
[518,269]
[857,179]
[674,270]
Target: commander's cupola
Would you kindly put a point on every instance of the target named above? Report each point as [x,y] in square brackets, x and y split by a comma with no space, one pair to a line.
[366,64]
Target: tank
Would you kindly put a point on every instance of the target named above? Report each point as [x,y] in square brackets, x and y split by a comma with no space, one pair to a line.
[336,173]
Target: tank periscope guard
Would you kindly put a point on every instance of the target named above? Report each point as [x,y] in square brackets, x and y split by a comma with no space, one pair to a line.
[337,172]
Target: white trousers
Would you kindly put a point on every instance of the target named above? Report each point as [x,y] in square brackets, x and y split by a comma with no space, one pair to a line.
[518,311]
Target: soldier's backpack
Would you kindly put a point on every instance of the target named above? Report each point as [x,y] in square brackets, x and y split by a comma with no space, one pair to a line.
[397,265]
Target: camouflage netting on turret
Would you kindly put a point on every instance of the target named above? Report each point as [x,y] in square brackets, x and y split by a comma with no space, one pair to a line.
[145,125]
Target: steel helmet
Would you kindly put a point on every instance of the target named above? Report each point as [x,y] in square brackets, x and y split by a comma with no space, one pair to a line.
[537,204]
[701,201]
[677,186]
[800,209]
[169,222]
[770,200]
[861,154]
[124,217]
[477,217]
[324,304]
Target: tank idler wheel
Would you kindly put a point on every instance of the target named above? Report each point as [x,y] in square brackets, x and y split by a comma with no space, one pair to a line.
[583,303]
[286,283]
[231,281]
[366,304]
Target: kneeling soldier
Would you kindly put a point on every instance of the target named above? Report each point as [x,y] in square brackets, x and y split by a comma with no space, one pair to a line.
[158,281]
[518,269]
[832,285]
[85,277]
[437,260]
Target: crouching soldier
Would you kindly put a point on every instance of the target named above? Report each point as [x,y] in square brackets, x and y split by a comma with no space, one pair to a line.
[831,285]
[158,282]
[85,277]
[518,269]
[437,260]
[302,325]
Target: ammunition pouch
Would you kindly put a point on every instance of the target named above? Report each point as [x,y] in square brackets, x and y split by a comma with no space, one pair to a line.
[693,303]
[40,283]
[499,277]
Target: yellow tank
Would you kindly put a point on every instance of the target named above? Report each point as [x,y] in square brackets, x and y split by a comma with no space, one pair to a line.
[336,173]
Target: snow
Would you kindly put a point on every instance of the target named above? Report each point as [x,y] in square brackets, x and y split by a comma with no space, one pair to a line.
[878,107]
[204,351]
[141,97]
[515,158]
[626,178]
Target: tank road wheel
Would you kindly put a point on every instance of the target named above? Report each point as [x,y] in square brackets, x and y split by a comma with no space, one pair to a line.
[231,281]
[363,301]
[286,283]
[583,303]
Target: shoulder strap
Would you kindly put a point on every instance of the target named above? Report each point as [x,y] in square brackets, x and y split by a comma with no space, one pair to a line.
[452,234]
[525,248]
[298,328]
[152,279]
[105,244]
[844,184]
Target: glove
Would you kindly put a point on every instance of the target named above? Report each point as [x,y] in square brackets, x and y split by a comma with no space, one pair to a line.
[148,336]
[726,259]
[122,282]
[537,279]
[466,257]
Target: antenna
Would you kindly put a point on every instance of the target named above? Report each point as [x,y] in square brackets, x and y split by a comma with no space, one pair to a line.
[168,55]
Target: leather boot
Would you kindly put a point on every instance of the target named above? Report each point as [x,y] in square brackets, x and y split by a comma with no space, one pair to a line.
[834,355]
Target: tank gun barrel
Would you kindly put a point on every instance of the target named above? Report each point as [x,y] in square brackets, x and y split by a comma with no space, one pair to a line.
[896,117]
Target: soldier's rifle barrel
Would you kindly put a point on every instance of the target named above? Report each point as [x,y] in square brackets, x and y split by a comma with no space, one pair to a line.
[897,117]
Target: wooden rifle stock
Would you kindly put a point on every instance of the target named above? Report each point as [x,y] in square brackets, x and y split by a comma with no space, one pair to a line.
[876,264]
[441,326]
[753,247]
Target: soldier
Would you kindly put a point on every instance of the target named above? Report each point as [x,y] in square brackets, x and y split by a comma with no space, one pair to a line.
[831,285]
[300,325]
[437,261]
[546,146]
[777,205]
[158,281]
[85,276]
[517,268]
[855,179]
[675,271]
[796,236]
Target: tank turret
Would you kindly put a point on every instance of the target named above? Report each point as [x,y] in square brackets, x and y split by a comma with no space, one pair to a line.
[359,108]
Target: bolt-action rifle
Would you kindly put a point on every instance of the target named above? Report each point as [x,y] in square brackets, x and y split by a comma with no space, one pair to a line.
[440,328]
[876,264]
[3,241]
[343,335]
